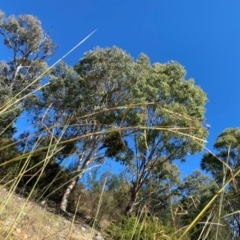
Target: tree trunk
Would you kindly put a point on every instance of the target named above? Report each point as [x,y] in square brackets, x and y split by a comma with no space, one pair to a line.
[64,202]
[131,202]
[137,184]
[80,167]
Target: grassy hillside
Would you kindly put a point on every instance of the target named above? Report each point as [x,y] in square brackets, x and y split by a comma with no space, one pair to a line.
[20,219]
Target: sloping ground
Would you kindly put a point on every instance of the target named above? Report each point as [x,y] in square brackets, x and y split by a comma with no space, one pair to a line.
[27,220]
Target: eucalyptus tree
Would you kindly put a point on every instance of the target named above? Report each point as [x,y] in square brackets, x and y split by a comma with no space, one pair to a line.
[28,46]
[196,191]
[86,106]
[224,166]
[227,146]
[111,106]
[161,193]
[170,124]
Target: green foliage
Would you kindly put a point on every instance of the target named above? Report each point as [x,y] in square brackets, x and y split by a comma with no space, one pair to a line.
[161,191]
[222,166]
[196,191]
[145,229]
[76,103]
[198,185]
[114,144]
[228,148]
[29,45]
[171,124]
[46,179]
[108,98]
[8,170]
[113,201]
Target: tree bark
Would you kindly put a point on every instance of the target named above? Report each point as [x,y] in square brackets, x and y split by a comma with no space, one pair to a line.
[132,201]
[64,202]
[80,167]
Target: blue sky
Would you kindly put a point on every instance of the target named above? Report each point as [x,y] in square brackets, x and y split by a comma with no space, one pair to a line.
[202,35]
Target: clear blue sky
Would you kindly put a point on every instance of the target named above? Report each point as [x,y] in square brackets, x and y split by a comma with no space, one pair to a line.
[202,35]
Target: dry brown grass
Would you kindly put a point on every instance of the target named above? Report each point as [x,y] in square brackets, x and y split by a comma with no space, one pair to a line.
[36,222]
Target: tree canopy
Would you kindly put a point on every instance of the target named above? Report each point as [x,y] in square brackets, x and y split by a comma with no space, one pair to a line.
[29,46]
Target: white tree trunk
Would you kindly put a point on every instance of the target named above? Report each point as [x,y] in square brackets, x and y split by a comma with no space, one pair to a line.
[80,167]
[64,202]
